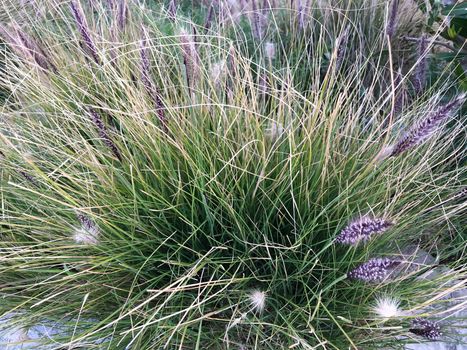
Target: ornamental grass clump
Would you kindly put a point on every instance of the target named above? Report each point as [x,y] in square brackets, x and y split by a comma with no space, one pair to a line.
[214,191]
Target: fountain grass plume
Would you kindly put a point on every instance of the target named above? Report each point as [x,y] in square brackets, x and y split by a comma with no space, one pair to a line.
[387,307]
[122,14]
[392,19]
[362,229]
[209,18]
[421,69]
[172,10]
[147,81]
[36,51]
[88,233]
[341,50]
[424,129]
[374,270]
[190,58]
[426,328]
[103,133]
[84,30]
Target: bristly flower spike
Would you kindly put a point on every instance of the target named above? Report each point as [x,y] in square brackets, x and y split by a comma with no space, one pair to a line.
[36,52]
[391,26]
[103,134]
[421,131]
[208,21]
[374,270]
[190,57]
[122,14]
[148,83]
[172,10]
[84,30]
[342,42]
[258,21]
[303,8]
[362,229]
[422,66]
[426,329]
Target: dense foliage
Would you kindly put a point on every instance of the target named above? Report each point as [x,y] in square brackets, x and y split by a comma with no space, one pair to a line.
[261,175]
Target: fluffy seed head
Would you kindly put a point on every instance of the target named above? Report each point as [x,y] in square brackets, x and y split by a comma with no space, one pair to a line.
[35,50]
[88,232]
[374,270]
[208,20]
[218,71]
[257,300]
[362,229]
[258,21]
[426,329]
[270,50]
[387,307]
[172,10]
[274,130]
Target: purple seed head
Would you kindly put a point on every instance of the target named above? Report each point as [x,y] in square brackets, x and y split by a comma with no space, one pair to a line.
[36,52]
[28,177]
[208,20]
[172,10]
[362,229]
[84,30]
[461,194]
[303,8]
[391,26]
[190,57]
[110,4]
[147,81]
[374,270]
[86,222]
[421,131]
[122,14]
[426,329]
[259,20]
[422,66]
[342,42]
[103,134]
[399,98]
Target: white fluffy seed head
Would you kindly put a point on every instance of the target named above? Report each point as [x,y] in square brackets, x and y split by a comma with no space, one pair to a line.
[270,50]
[274,130]
[86,236]
[218,71]
[387,307]
[257,300]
